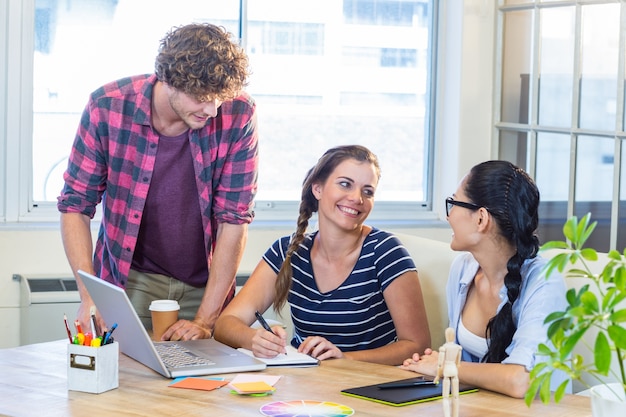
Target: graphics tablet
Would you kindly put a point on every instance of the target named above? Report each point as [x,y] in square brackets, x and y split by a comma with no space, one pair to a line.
[391,393]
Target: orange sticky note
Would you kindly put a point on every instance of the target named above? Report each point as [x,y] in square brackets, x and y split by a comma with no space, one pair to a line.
[198,383]
[252,387]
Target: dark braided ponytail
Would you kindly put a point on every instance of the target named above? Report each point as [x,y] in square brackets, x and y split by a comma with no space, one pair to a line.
[512,198]
[309,205]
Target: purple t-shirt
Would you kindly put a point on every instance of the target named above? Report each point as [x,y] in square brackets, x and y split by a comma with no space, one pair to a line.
[171,237]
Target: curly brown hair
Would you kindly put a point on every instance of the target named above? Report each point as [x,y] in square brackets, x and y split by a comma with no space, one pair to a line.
[200,60]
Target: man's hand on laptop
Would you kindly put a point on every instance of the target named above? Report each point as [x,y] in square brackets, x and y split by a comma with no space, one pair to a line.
[187,330]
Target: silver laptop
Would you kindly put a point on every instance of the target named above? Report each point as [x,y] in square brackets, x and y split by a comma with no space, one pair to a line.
[170,359]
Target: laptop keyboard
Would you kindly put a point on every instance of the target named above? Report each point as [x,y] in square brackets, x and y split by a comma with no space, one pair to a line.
[177,356]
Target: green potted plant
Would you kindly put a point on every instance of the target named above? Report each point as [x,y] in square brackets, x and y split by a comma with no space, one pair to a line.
[593,320]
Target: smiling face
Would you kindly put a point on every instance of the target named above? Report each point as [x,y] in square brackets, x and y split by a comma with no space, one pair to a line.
[195,112]
[346,198]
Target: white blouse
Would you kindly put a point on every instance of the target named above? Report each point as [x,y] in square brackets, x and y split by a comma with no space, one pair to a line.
[471,343]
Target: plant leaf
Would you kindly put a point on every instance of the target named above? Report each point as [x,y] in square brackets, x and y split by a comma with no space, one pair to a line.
[535,384]
[560,391]
[602,311]
[571,296]
[571,341]
[539,367]
[544,391]
[602,354]
[590,301]
[576,273]
[589,254]
[554,244]
[618,316]
[554,316]
[618,335]
[559,262]
[584,230]
[620,278]
[569,229]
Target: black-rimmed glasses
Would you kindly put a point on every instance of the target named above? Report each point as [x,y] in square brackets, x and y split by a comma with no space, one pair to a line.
[452,202]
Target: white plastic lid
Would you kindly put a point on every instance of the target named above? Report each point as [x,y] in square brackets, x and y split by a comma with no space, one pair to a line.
[164,305]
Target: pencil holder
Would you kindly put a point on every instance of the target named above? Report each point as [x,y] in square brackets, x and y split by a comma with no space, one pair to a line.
[92,369]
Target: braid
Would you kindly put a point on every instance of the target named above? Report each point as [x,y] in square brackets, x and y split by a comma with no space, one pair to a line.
[512,199]
[501,327]
[283,280]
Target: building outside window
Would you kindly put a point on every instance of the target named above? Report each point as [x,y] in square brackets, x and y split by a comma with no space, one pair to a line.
[324,73]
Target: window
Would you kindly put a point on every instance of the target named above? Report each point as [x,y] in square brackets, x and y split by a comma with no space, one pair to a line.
[285,38]
[373,12]
[311,89]
[561,109]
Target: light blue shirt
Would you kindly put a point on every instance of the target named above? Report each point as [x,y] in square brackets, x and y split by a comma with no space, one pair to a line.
[538,297]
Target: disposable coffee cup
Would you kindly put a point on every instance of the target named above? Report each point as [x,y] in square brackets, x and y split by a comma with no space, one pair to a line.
[164,314]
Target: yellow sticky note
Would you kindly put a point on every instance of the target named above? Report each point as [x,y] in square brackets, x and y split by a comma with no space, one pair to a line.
[252,387]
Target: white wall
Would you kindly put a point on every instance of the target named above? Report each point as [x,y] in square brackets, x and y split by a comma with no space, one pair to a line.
[30,250]
[463,133]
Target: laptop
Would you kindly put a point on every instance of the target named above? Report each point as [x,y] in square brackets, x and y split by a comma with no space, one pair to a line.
[200,357]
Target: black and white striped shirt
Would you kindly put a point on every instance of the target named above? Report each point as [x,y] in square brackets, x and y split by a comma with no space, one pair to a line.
[353,316]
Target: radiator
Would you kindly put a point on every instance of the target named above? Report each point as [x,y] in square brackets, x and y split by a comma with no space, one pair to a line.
[44,299]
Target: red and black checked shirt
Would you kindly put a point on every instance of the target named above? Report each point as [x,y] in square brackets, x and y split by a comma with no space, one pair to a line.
[112,161]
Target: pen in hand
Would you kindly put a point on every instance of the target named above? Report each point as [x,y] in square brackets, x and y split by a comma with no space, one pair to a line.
[266,326]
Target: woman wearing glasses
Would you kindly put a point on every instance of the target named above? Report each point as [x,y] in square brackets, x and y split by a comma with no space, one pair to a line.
[498,296]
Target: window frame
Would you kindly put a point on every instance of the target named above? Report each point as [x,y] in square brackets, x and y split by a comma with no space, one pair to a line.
[16,121]
[532,128]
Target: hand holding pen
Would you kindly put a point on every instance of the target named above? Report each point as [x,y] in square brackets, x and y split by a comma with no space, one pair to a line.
[266,326]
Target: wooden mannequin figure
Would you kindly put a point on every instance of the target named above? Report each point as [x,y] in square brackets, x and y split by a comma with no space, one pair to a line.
[447,368]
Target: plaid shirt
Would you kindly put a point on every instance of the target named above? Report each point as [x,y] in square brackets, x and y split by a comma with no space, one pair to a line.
[113,158]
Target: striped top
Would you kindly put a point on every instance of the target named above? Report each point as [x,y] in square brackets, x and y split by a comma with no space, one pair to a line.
[353,316]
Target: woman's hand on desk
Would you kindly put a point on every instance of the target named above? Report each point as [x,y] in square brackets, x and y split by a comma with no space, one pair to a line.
[187,330]
[267,344]
[320,348]
[425,364]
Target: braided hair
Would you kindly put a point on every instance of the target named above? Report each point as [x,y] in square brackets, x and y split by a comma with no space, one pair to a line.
[512,198]
[309,205]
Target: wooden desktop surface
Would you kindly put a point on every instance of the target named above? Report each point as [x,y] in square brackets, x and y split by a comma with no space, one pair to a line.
[33,381]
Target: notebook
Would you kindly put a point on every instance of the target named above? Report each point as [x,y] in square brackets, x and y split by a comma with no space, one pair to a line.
[402,396]
[206,356]
[293,358]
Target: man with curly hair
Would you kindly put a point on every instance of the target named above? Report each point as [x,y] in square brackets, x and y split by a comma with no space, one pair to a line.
[173,157]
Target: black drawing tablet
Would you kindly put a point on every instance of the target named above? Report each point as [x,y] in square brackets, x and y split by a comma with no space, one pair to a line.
[402,396]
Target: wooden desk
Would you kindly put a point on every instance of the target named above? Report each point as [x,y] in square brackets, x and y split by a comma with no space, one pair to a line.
[33,381]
